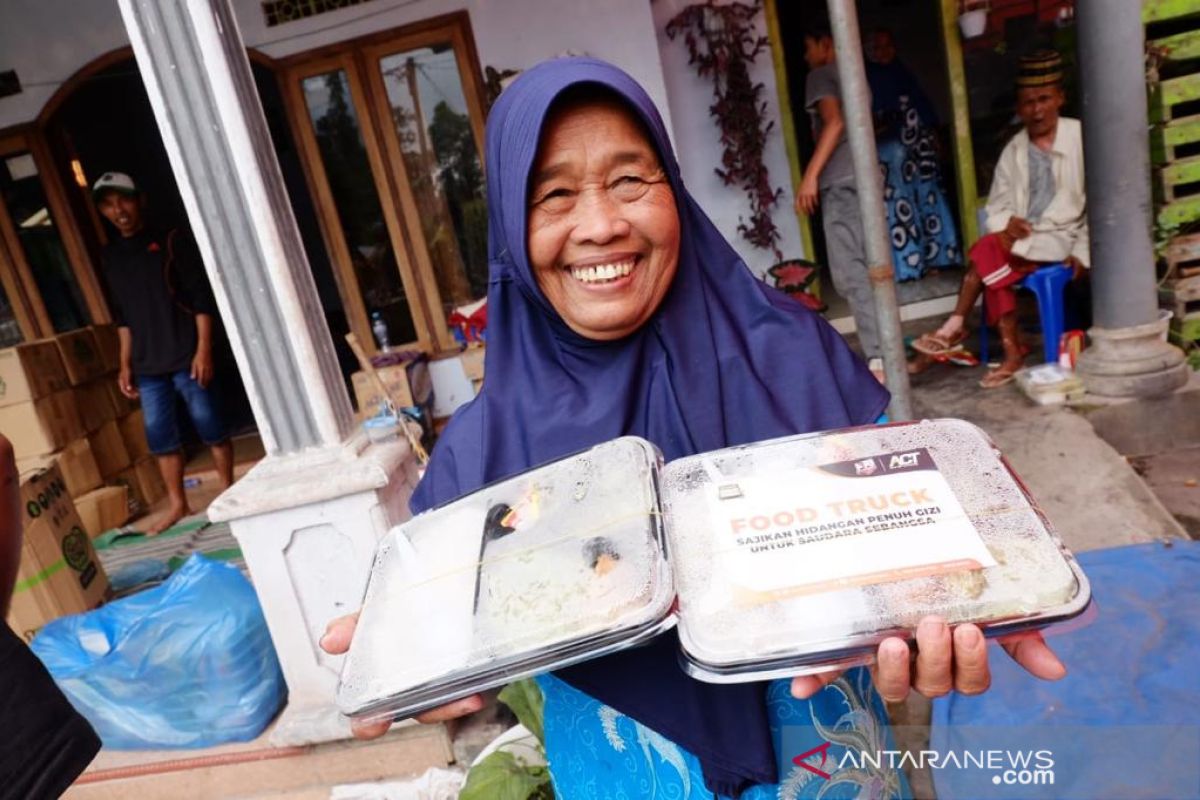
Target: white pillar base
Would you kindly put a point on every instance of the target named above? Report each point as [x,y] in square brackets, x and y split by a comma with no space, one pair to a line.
[308,525]
[1132,362]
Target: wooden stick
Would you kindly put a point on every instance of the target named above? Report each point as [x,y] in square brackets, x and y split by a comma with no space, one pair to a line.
[364,361]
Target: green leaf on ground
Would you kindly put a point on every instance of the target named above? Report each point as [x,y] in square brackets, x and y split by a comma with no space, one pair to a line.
[525,699]
[501,777]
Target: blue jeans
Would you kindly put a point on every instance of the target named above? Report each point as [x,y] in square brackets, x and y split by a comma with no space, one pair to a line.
[158,407]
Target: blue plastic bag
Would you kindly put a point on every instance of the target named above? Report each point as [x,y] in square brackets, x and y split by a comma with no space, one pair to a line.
[186,664]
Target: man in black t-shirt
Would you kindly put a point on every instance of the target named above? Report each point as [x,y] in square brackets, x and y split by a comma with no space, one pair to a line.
[164,313]
[45,743]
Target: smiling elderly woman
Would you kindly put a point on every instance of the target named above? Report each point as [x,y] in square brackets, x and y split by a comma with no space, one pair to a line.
[617,308]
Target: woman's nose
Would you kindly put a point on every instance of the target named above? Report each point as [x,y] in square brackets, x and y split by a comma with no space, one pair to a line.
[598,219]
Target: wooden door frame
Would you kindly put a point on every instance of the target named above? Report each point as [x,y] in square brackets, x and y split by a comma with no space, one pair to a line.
[30,139]
[360,57]
[19,283]
[402,182]
[327,213]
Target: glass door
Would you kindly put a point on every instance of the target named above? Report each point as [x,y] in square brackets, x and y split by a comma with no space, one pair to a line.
[392,128]
[431,133]
[343,158]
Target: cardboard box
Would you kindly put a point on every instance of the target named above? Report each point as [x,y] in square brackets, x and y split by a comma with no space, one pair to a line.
[409,384]
[103,509]
[80,355]
[109,449]
[145,485]
[59,572]
[472,361]
[109,344]
[133,433]
[42,426]
[120,403]
[95,406]
[31,371]
[75,461]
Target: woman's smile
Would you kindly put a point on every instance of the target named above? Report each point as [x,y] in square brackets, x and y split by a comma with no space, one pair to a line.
[605,272]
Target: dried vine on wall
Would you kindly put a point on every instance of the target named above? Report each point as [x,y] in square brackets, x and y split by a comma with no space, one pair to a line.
[722,43]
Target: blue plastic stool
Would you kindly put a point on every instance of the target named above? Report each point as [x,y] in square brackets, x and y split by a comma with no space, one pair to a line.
[1047,283]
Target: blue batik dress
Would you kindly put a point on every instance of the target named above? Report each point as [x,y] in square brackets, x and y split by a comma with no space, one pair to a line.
[598,753]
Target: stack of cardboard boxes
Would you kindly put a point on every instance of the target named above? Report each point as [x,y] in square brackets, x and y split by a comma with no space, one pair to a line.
[92,431]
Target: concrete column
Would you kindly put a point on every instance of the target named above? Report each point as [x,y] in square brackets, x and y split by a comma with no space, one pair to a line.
[1127,356]
[860,135]
[309,516]
[194,65]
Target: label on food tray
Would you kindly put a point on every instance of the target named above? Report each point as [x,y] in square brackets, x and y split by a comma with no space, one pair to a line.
[851,523]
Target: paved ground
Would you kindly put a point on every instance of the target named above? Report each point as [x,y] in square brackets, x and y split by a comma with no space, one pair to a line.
[1092,494]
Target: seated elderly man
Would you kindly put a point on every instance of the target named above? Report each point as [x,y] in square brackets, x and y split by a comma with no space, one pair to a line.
[1036,215]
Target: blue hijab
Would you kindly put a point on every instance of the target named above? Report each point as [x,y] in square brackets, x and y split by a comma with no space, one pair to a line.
[725,360]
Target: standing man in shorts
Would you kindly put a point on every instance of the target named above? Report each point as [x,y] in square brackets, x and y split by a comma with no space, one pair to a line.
[164,314]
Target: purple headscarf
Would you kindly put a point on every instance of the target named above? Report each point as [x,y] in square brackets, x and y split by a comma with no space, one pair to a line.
[725,360]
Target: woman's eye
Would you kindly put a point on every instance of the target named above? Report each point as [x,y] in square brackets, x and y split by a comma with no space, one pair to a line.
[629,187]
[553,197]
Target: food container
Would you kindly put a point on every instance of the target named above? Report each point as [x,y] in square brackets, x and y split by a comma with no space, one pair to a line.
[793,554]
[776,559]
[553,566]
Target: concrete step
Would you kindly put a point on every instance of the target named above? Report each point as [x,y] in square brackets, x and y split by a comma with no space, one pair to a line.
[256,769]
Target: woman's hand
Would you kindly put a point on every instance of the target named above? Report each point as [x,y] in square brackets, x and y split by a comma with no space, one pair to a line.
[336,640]
[946,660]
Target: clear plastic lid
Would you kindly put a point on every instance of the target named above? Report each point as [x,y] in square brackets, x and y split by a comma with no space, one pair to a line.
[809,550]
[555,565]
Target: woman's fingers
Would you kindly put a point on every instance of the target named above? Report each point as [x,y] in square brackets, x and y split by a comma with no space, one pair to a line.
[805,686]
[1031,652]
[459,708]
[935,658]
[337,636]
[971,672]
[892,673]
[369,730]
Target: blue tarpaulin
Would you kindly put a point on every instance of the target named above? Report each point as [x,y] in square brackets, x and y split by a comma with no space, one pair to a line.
[1124,723]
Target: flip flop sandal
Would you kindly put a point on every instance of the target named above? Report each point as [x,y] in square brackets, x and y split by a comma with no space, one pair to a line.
[995,378]
[933,344]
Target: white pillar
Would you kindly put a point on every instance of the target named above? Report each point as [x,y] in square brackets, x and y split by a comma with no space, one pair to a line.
[308,517]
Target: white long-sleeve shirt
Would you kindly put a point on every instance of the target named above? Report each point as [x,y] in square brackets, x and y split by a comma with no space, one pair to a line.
[1062,229]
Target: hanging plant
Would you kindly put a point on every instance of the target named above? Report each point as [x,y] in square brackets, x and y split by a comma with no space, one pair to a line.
[722,42]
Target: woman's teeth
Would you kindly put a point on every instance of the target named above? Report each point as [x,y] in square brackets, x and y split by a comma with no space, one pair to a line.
[602,273]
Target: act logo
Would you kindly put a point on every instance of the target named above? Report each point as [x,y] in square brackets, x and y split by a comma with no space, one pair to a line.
[823,749]
[904,460]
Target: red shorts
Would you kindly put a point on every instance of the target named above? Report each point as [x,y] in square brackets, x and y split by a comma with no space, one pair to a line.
[999,269]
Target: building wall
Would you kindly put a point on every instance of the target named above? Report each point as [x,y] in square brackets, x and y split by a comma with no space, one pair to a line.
[697,143]
[45,52]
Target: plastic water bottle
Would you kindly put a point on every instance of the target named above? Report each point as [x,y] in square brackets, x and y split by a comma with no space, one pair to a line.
[379,328]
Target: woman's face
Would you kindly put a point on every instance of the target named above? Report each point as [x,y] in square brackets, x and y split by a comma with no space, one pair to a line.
[603,227]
